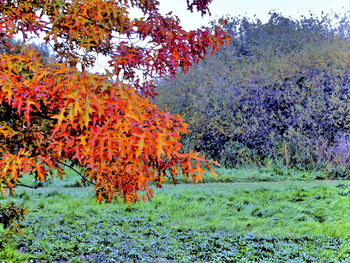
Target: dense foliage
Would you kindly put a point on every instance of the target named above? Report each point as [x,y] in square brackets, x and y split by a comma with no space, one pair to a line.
[54,112]
[279,91]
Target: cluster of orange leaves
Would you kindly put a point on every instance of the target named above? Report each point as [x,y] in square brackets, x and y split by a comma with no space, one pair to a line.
[52,113]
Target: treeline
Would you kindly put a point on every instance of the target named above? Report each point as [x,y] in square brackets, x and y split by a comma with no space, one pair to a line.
[280,92]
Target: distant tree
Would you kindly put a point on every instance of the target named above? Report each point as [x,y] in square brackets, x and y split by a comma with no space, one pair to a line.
[277,91]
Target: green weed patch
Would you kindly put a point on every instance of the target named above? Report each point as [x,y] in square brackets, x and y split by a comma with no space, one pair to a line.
[242,222]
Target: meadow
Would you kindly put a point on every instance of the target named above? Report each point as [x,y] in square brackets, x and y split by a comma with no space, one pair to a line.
[248,215]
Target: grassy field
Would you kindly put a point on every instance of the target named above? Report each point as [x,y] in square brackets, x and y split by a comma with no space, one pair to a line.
[254,217]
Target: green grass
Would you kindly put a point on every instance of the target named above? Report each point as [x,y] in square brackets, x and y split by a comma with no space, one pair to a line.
[237,175]
[300,221]
[259,174]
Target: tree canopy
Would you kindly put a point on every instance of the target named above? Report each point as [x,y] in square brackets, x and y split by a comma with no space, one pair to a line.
[59,111]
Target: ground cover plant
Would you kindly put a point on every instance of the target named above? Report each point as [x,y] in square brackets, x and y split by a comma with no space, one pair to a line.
[284,221]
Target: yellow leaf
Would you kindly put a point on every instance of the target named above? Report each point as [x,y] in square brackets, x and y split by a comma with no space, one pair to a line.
[140,146]
[215,175]
[88,109]
[60,117]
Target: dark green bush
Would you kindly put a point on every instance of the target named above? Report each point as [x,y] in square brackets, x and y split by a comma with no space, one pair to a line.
[281,90]
[11,216]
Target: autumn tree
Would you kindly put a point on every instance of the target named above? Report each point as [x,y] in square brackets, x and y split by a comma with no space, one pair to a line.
[55,112]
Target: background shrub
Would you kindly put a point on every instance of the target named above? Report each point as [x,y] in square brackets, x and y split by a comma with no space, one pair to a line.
[278,91]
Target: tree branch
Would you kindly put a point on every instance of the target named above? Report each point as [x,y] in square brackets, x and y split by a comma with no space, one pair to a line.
[28,186]
[37,114]
[75,170]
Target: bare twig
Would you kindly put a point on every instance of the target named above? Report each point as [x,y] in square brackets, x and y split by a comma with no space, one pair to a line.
[28,186]
[75,170]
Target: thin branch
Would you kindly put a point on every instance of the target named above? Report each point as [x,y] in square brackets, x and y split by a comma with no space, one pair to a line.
[71,167]
[37,114]
[28,186]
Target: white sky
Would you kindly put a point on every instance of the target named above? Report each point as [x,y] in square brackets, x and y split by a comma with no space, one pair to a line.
[261,8]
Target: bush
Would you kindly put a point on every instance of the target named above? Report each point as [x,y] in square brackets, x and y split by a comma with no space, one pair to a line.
[11,216]
[277,91]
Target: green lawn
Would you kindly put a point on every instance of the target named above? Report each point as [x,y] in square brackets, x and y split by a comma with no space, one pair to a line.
[285,221]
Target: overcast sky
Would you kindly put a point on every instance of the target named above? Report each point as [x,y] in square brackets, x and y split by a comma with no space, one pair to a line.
[261,8]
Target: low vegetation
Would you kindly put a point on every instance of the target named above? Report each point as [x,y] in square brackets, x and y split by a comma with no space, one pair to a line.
[245,219]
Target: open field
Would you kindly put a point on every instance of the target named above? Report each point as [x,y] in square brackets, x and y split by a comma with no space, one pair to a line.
[283,221]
